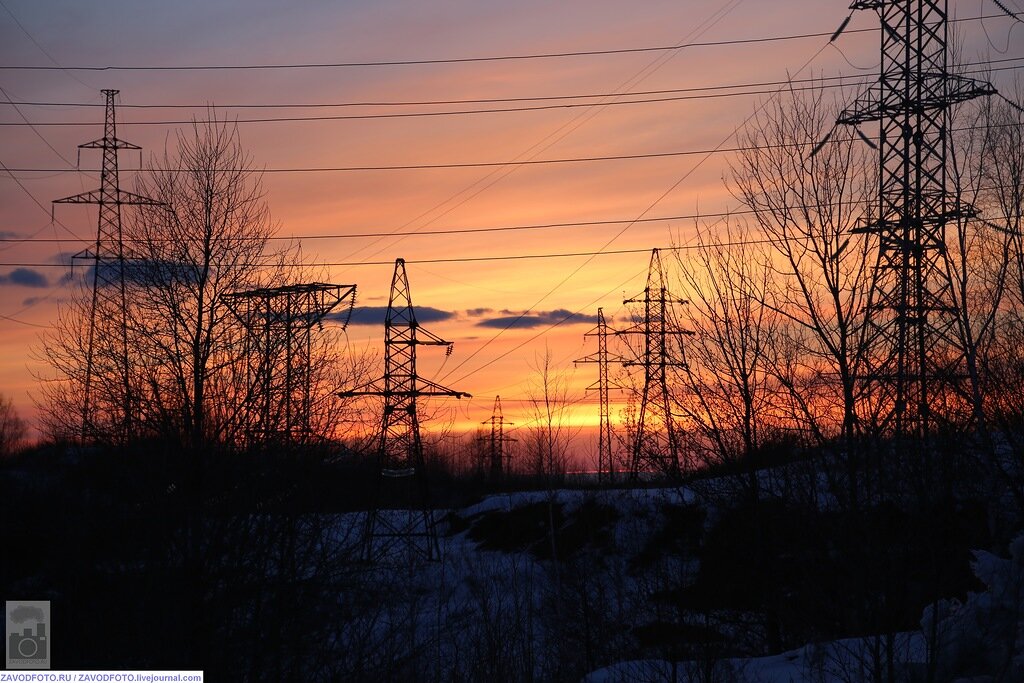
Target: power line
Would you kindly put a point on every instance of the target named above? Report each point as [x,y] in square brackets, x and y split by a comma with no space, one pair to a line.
[540,333]
[493,258]
[641,215]
[491,178]
[472,164]
[42,207]
[399,115]
[453,112]
[577,121]
[461,259]
[454,231]
[492,100]
[569,127]
[454,259]
[40,47]
[427,103]
[12,103]
[463,231]
[454,60]
[506,257]
[459,60]
[590,255]
[478,164]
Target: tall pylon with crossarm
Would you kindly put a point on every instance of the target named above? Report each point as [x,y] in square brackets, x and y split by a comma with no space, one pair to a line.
[656,445]
[496,441]
[605,444]
[108,415]
[401,524]
[915,358]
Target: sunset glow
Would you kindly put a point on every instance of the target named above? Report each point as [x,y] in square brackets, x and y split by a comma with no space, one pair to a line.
[501,314]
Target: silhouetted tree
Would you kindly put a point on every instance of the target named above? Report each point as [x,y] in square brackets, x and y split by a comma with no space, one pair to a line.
[726,388]
[211,238]
[12,428]
[806,199]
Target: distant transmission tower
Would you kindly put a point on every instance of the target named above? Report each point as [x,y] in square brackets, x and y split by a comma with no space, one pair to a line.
[496,442]
[278,324]
[654,448]
[605,445]
[914,353]
[112,416]
[401,515]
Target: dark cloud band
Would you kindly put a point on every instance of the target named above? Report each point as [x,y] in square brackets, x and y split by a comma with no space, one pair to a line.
[511,319]
[375,315]
[24,277]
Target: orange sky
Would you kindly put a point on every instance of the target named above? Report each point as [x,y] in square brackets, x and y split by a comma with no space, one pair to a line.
[224,32]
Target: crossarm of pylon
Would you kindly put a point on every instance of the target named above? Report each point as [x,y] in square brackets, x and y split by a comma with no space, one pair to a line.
[596,386]
[596,358]
[424,388]
[871,105]
[431,338]
[427,388]
[639,329]
[86,254]
[669,299]
[643,364]
[369,389]
[109,143]
[96,197]
[317,310]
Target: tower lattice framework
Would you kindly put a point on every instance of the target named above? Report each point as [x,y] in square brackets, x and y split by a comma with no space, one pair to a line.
[605,443]
[110,416]
[656,446]
[277,352]
[915,358]
[497,457]
[401,519]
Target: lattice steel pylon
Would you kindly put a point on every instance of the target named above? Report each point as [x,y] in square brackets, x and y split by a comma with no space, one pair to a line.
[401,478]
[915,358]
[497,458]
[278,323]
[656,448]
[605,443]
[112,418]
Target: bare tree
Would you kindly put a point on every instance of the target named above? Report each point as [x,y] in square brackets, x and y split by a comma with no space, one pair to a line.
[550,436]
[12,428]
[727,388]
[63,350]
[547,445]
[1000,161]
[807,199]
[211,238]
[988,265]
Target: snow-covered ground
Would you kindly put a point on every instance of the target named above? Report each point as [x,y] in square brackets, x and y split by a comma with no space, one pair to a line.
[842,661]
[495,606]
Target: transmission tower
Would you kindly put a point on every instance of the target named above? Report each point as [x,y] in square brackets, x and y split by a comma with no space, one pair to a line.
[653,448]
[915,358]
[408,519]
[112,417]
[496,442]
[278,324]
[605,445]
